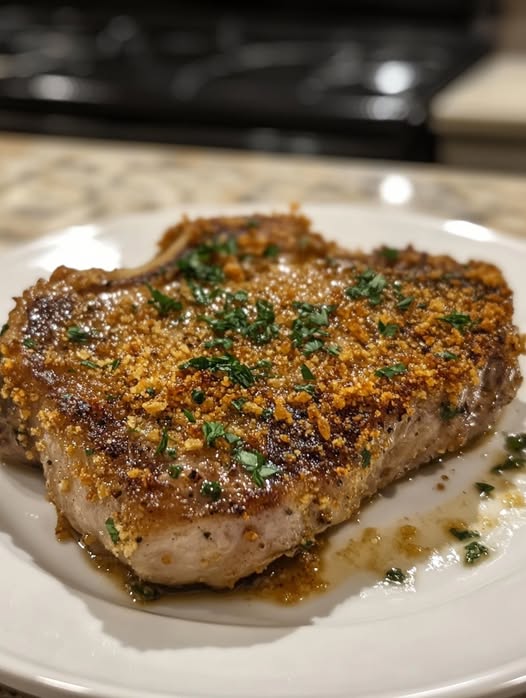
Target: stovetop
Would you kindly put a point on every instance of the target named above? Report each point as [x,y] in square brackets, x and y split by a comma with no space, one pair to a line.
[225,78]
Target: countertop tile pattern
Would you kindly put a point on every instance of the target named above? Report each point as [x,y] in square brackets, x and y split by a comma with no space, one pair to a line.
[50,183]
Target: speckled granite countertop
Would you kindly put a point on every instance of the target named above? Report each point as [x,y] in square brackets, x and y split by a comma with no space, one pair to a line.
[48,183]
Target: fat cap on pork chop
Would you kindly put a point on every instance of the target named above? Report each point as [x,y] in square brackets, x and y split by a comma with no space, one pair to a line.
[249,387]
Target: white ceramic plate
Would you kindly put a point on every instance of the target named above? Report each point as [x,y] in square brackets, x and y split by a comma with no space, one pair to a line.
[456,631]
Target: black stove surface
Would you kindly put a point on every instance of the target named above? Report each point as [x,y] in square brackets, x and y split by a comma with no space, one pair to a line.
[350,87]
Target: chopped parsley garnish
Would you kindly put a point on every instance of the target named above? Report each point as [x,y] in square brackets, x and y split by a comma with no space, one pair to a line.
[171,452]
[112,530]
[484,488]
[212,489]
[390,253]
[448,412]
[202,296]
[4,329]
[238,403]
[257,465]
[263,329]
[307,374]
[389,329]
[309,388]
[162,303]
[464,533]
[307,331]
[29,343]
[391,371]
[333,349]
[395,576]
[271,251]
[369,285]
[223,342]
[516,442]
[174,471]
[459,321]
[90,364]
[447,355]
[235,317]
[115,364]
[146,592]
[89,451]
[197,264]
[77,334]
[267,413]
[510,463]
[213,431]
[151,392]
[312,346]
[405,302]
[189,416]
[163,443]
[366,458]
[237,372]
[198,396]
[474,551]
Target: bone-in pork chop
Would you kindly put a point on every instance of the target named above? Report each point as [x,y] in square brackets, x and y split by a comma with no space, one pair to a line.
[248,388]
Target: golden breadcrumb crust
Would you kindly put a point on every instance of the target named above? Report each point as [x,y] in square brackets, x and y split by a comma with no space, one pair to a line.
[97,361]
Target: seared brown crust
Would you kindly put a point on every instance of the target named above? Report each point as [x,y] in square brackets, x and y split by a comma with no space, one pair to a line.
[115,399]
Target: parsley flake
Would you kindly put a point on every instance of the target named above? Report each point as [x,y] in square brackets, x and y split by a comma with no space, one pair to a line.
[257,465]
[223,342]
[484,488]
[464,533]
[162,303]
[307,374]
[112,530]
[174,471]
[189,416]
[29,343]
[90,364]
[307,331]
[163,443]
[516,442]
[198,396]
[474,551]
[271,251]
[389,329]
[448,412]
[77,334]
[460,321]
[309,388]
[238,403]
[510,463]
[145,592]
[366,458]
[238,372]
[391,371]
[212,489]
[213,431]
[447,355]
[369,285]
[405,302]
[390,253]
[395,576]
[202,296]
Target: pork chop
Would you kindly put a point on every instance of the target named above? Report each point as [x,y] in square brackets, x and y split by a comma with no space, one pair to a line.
[206,413]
